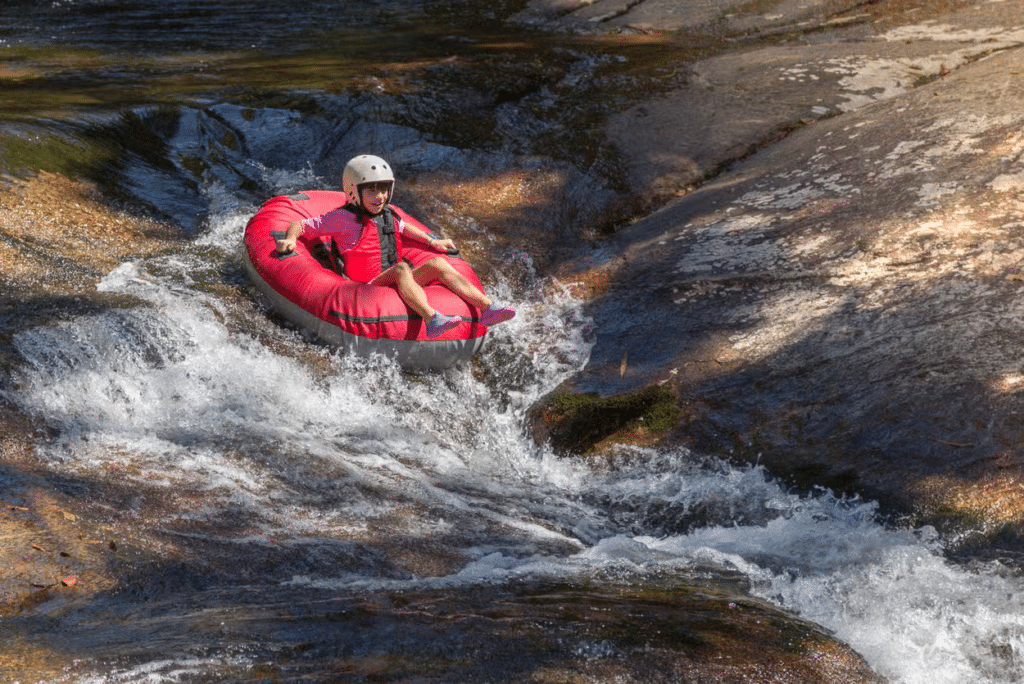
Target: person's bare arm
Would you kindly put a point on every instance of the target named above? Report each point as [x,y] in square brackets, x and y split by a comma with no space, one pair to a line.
[287,243]
[418,235]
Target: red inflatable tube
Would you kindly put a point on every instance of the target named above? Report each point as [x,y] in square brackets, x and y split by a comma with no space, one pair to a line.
[358,317]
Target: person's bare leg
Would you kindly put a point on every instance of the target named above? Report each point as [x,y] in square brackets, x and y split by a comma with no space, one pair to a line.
[400,276]
[440,269]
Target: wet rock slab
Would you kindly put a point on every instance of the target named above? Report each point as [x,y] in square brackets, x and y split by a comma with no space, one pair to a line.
[741,101]
[530,632]
[566,633]
[845,304]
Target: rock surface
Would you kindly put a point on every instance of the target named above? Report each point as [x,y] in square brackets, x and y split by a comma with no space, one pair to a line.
[840,298]
[837,298]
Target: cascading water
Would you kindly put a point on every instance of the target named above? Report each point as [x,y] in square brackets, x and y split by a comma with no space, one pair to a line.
[267,490]
[257,455]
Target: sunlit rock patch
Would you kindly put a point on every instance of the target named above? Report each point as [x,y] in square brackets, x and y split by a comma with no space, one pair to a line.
[50,555]
[75,234]
[976,509]
[737,102]
[58,238]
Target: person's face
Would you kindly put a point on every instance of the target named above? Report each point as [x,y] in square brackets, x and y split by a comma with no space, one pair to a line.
[374,196]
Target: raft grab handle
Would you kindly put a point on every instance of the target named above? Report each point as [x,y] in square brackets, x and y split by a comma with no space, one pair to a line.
[280,235]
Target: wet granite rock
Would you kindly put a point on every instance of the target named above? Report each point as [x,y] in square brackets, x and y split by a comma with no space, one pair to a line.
[839,298]
[560,632]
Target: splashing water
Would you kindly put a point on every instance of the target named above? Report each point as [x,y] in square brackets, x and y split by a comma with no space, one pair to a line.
[258,437]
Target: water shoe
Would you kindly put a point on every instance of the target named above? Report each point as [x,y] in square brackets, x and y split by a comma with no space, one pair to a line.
[496,313]
[440,324]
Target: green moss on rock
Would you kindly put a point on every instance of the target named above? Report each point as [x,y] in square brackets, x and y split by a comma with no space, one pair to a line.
[574,423]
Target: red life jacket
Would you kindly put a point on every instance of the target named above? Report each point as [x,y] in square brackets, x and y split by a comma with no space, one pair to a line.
[378,249]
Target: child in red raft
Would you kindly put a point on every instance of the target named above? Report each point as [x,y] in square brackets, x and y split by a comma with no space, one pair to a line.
[374,256]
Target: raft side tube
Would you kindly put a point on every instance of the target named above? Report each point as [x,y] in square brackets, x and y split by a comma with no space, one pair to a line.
[360,318]
[410,354]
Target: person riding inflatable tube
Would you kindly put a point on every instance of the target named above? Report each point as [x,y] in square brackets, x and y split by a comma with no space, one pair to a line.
[364,318]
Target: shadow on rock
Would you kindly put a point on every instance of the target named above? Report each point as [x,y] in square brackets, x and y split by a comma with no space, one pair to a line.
[845,307]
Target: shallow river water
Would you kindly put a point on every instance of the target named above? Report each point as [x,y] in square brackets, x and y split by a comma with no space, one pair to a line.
[318,516]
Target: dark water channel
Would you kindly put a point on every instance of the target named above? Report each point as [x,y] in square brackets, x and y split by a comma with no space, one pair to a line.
[273,511]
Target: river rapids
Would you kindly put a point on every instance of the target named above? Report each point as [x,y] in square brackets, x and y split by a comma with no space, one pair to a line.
[288,506]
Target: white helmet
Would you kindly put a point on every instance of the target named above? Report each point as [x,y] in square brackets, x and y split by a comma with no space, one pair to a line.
[365,168]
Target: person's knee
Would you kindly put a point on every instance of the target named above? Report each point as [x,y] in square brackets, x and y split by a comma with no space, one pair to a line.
[436,269]
[439,265]
[402,269]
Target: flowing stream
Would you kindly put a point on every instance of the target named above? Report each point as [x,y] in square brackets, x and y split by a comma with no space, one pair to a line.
[291,489]
[293,474]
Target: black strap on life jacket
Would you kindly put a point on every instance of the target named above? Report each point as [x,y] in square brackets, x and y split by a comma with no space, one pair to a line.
[385,223]
[334,258]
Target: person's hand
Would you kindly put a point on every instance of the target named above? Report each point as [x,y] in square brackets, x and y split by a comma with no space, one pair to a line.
[284,246]
[444,245]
